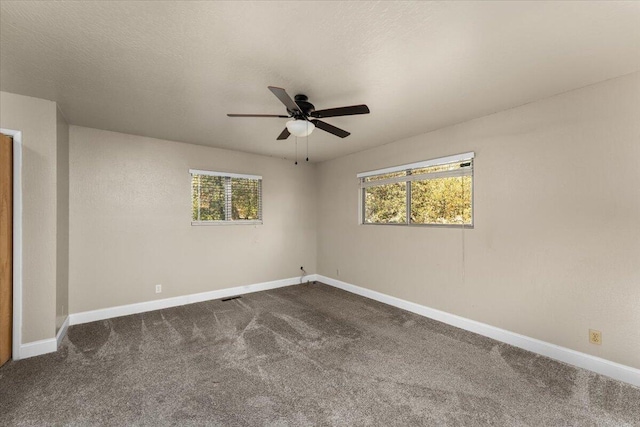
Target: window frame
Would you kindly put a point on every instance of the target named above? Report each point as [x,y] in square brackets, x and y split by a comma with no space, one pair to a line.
[228,202]
[463,157]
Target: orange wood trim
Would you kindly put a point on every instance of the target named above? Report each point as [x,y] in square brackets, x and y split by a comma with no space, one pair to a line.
[6,246]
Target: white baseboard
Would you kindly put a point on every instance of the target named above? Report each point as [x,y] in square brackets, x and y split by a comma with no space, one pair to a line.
[50,345]
[582,360]
[125,310]
[36,348]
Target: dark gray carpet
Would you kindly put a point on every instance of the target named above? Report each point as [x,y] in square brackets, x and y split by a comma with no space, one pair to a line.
[302,355]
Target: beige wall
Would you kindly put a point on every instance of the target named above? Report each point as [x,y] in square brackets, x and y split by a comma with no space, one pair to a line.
[62,225]
[130,221]
[555,249]
[556,245]
[36,118]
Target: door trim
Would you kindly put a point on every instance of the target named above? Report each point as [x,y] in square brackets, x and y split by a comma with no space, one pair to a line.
[17,241]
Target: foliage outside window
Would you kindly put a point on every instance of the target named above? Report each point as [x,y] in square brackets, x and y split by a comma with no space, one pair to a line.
[435,192]
[225,198]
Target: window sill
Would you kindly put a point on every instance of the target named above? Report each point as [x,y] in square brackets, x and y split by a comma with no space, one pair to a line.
[241,222]
[458,226]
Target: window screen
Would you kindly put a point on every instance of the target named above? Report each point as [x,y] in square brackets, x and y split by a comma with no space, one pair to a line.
[433,192]
[225,198]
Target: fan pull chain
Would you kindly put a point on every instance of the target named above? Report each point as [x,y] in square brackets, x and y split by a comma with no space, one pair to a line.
[296,150]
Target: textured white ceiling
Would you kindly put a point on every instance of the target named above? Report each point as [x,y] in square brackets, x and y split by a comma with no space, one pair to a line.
[173,70]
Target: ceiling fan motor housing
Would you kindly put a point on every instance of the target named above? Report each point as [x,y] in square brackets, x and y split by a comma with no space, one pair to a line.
[305,106]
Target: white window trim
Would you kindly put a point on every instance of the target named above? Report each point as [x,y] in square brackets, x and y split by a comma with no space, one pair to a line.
[417,165]
[229,175]
[419,177]
[424,164]
[236,222]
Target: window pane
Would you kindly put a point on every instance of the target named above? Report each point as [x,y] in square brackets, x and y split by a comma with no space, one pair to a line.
[441,201]
[386,204]
[385,176]
[207,198]
[245,199]
[437,168]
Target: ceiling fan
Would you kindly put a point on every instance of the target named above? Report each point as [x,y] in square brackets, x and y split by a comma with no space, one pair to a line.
[305,116]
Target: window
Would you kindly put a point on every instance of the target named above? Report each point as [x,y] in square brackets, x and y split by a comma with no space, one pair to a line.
[225,198]
[433,192]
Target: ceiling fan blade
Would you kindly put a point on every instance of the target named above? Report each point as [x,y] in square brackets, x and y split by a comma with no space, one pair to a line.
[330,128]
[284,135]
[284,97]
[341,111]
[257,115]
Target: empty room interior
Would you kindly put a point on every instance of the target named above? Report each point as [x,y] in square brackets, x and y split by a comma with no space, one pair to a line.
[320,213]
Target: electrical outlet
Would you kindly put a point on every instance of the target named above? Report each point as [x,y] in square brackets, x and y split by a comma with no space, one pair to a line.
[595,337]
[158,289]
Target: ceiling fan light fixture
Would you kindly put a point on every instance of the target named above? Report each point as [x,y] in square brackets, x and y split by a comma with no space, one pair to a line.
[300,128]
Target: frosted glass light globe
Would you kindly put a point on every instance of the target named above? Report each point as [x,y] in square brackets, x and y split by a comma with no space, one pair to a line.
[300,128]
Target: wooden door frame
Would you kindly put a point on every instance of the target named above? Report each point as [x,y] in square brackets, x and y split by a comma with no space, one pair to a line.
[17,241]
